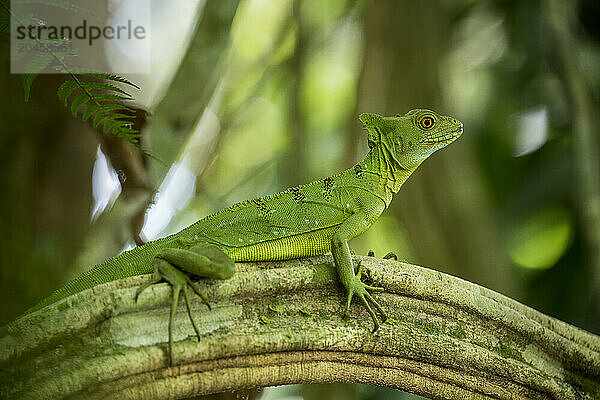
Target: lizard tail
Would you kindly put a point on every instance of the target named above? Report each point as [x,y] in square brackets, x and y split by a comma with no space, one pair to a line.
[137,261]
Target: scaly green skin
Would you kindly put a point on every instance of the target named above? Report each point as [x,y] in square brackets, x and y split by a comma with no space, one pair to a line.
[303,221]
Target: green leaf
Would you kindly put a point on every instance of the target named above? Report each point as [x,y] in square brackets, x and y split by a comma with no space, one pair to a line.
[115,78]
[113,118]
[101,116]
[36,65]
[108,125]
[116,126]
[119,123]
[65,90]
[100,75]
[120,115]
[91,108]
[27,80]
[104,97]
[131,135]
[116,106]
[133,132]
[104,86]
[79,101]
[122,131]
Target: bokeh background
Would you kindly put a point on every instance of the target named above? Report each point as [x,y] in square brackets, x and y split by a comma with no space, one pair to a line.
[249,97]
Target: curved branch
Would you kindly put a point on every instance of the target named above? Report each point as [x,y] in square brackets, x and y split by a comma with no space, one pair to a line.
[279,323]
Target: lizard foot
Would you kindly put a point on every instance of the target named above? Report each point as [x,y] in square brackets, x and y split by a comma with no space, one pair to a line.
[179,281]
[360,289]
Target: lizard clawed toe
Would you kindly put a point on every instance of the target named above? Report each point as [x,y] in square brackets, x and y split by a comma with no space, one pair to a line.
[359,288]
[153,280]
[199,293]
[389,255]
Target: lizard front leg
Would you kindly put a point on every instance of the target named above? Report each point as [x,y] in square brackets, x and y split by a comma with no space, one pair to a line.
[357,223]
[176,265]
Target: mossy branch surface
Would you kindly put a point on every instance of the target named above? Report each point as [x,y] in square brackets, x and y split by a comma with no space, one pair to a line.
[279,323]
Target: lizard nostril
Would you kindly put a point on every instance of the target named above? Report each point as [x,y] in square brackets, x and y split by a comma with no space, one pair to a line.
[457,122]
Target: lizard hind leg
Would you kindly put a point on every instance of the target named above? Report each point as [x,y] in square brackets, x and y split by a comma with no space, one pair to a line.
[176,265]
[176,291]
[163,270]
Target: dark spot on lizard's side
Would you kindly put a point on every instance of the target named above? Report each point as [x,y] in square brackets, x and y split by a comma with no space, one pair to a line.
[327,186]
[359,171]
[297,195]
[262,207]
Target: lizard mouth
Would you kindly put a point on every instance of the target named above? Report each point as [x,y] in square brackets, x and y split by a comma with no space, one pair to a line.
[444,138]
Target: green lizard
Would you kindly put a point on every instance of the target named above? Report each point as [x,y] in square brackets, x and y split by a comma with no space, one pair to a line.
[302,221]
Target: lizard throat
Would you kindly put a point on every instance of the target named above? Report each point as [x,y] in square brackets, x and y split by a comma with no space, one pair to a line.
[382,163]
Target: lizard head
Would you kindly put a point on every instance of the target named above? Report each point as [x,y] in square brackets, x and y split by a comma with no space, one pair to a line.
[412,137]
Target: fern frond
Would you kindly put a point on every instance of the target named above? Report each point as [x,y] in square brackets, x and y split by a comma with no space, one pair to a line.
[100,97]
[68,87]
[65,90]
[115,78]
[95,74]
[93,98]
[79,101]
[45,51]
[104,86]
[112,97]
[36,65]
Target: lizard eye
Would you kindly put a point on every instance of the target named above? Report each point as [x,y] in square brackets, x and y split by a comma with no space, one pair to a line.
[426,122]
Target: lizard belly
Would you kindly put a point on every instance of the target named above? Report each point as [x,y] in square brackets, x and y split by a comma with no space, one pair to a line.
[305,244]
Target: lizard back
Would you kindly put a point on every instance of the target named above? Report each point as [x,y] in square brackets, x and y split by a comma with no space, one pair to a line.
[297,222]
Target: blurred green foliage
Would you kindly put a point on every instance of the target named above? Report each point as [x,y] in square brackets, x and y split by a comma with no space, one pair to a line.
[267,97]
[541,239]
